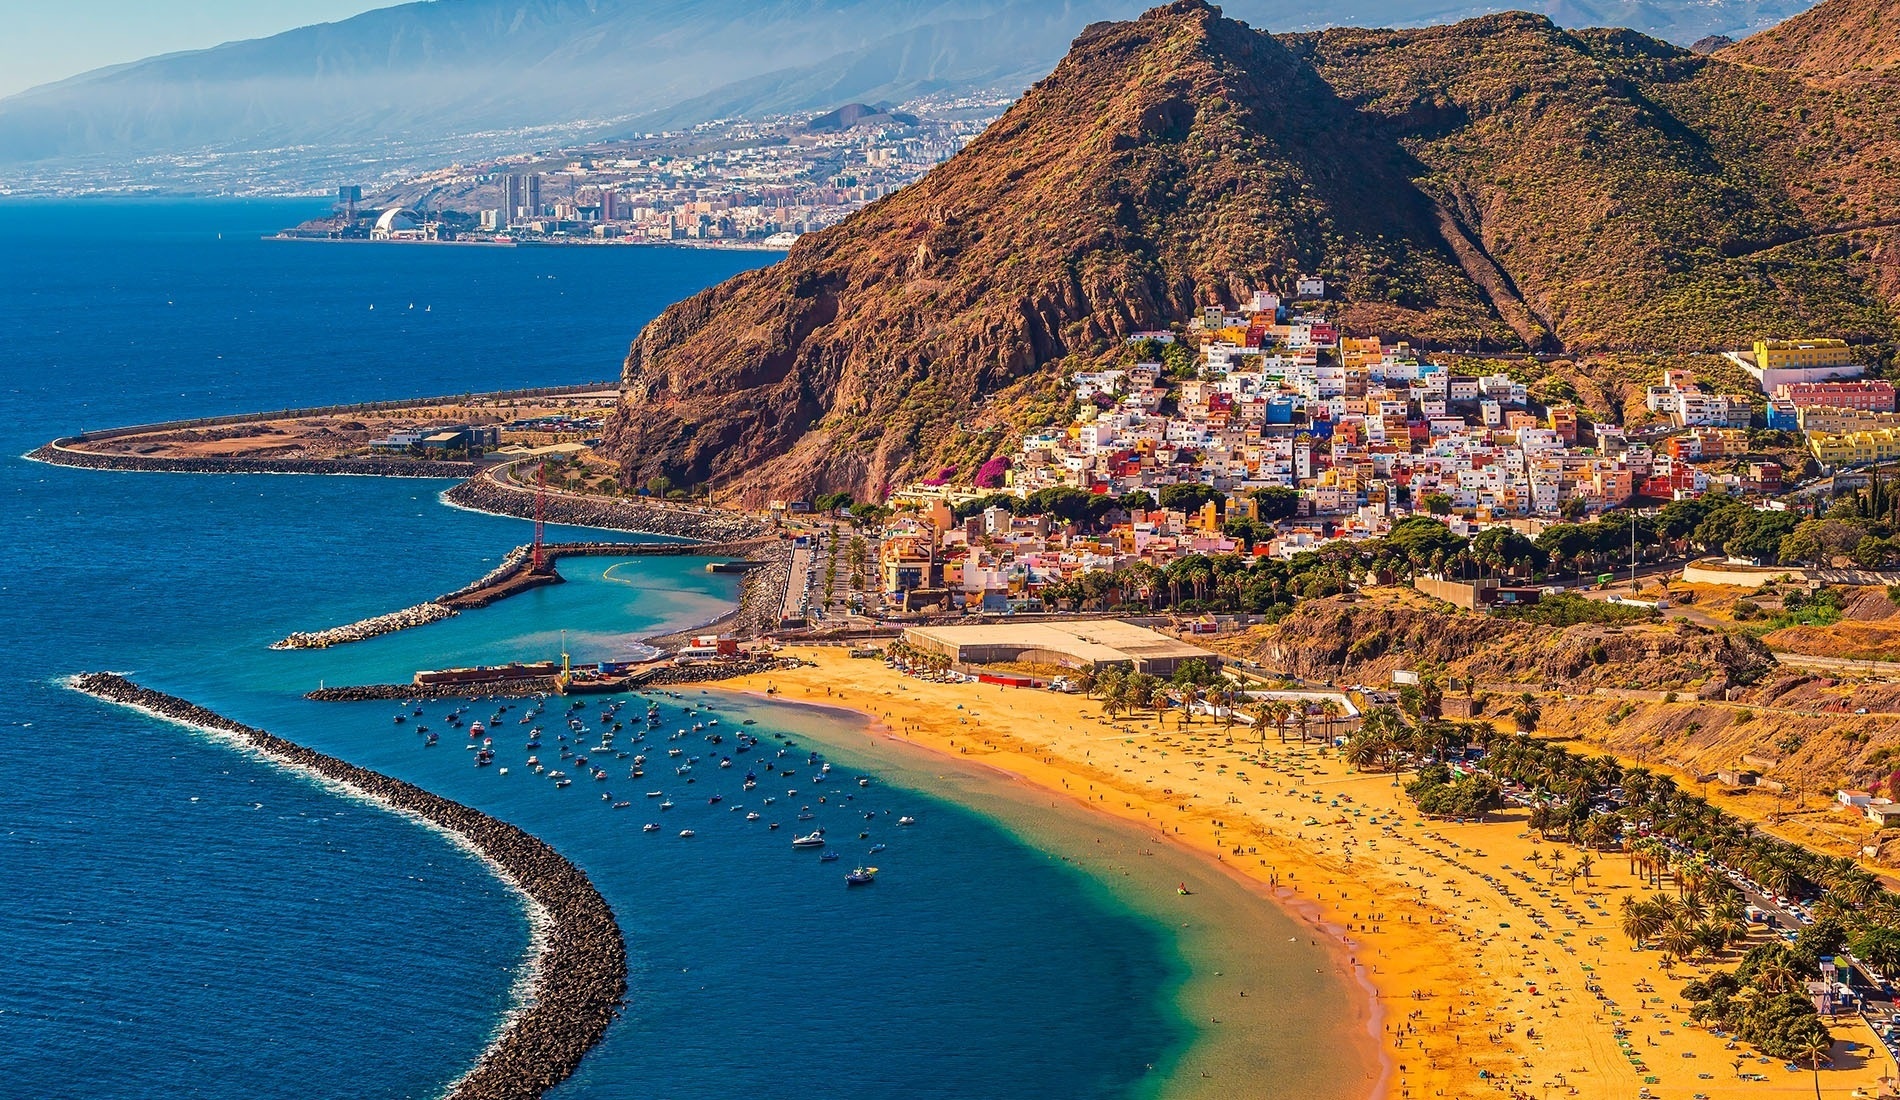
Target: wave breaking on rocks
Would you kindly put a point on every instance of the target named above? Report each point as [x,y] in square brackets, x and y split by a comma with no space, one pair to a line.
[579,975]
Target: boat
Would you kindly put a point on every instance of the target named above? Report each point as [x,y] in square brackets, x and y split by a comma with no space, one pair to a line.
[430,741]
[650,827]
[686,832]
[863,782]
[907,820]
[559,783]
[622,805]
[814,839]
[754,816]
[666,805]
[876,848]
[715,800]
[401,718]
[863,876]
[827,857]
[501,771]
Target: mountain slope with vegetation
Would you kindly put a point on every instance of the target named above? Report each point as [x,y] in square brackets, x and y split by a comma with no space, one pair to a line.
[1500,183]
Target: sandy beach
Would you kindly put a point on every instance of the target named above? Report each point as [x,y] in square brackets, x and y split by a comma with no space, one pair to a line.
[1489,977]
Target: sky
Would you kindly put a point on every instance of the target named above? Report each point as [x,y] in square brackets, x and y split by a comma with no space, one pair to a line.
[47,40]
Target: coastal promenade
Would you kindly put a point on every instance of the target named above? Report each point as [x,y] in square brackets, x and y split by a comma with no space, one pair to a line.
[579,978]
[1491,971]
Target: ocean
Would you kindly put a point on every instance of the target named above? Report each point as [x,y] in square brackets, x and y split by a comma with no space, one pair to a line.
[178,918]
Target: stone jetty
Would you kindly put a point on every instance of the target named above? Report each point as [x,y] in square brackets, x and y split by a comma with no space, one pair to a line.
[485,492]
[418,615]
[486,689]
[760,592]
[580,976]
[62,452]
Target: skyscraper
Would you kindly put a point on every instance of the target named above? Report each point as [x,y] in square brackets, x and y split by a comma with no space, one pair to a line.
[521,196]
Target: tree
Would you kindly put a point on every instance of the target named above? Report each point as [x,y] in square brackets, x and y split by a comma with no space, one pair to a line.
[1189,496]
[1814,1050]
[1275,504]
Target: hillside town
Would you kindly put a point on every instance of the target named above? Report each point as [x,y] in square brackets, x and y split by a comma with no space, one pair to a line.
[731,182]
[1266,432]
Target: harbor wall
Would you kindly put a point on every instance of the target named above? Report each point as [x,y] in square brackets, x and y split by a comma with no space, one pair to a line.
[484,493]
[580,976]
[60,453]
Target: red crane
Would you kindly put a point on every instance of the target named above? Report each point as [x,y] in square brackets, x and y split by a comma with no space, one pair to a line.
[540,513]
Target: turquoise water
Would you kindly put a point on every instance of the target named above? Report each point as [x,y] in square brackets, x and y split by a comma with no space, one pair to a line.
[182,919]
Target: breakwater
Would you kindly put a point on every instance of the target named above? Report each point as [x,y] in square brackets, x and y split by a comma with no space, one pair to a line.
[485,493]
[419,615]
[658,675]
[492,689]
[759,591]
[60,453]
[580,974]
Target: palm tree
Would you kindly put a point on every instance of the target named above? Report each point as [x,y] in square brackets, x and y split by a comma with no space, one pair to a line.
[1815,1048]
[1330,710]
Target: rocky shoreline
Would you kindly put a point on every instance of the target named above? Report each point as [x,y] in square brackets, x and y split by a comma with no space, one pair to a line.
[59,453]
[580,976]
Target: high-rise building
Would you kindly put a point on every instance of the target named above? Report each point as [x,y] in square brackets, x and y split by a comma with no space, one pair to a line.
[521,196]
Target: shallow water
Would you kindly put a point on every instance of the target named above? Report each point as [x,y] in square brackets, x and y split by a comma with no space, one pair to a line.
[182,918]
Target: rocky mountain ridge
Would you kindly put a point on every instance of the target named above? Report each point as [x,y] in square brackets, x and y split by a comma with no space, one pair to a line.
[1498,184]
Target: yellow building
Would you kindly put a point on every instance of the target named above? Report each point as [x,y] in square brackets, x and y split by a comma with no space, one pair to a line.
[1845,448]
[1799,354]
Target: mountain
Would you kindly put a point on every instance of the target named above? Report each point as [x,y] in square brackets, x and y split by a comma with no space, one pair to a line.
[859,114]
[418,84]
[1837,38]
[1500,183]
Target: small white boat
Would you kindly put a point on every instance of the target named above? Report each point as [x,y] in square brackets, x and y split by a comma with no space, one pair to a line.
[686,832]
[907,820]
[810,840]
[752,817]
[650,827]
[501,771]
[667,805]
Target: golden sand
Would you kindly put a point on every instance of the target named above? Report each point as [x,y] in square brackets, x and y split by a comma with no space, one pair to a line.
[1489,976]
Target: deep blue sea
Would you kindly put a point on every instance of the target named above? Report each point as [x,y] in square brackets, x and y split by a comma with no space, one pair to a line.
[180,919]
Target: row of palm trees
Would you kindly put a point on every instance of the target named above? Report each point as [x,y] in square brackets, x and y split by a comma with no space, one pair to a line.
[1696,926]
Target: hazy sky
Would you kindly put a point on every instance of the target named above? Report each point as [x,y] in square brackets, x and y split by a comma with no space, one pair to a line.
[45,40]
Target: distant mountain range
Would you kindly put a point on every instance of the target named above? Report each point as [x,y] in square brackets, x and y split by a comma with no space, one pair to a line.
[1499,184]
[456,79]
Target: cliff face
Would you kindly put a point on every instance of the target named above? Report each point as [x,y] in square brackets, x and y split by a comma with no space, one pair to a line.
[1499,183]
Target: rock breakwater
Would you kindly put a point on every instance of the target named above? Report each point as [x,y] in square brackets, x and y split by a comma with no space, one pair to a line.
[419,615]
[484,493]
[60,453]
[491,689]
[580,976]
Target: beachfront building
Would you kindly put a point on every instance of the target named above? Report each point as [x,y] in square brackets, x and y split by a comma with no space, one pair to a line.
[1093,644]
